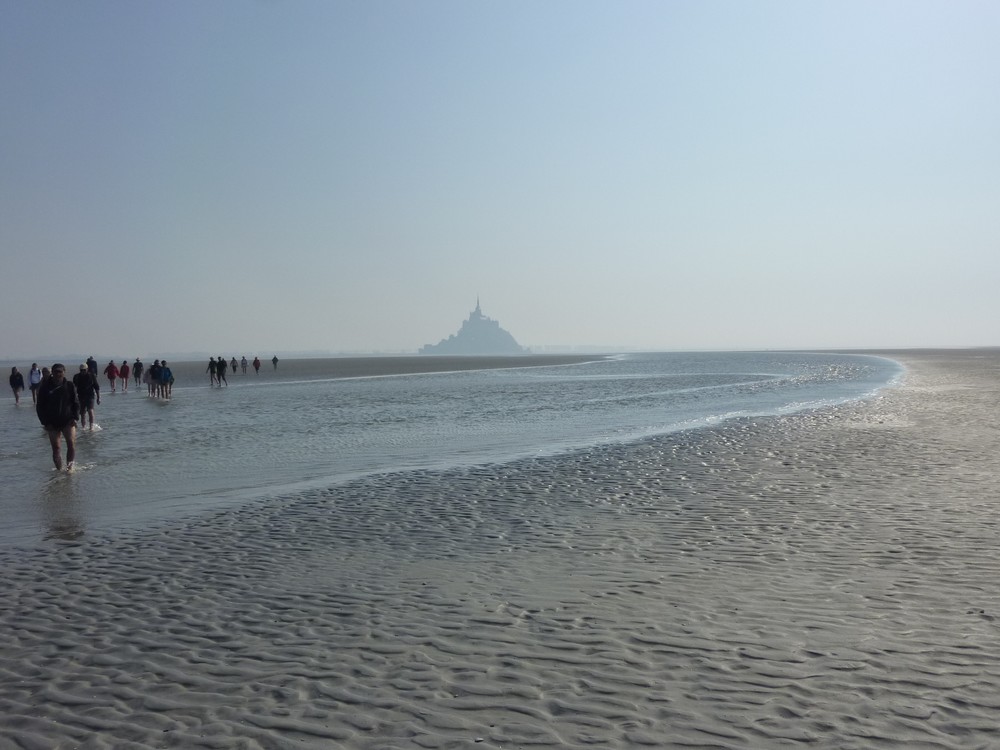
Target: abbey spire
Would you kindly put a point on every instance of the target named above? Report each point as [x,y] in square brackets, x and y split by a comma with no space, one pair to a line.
[478,335]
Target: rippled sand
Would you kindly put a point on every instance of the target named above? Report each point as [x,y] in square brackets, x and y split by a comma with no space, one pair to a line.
[826,579]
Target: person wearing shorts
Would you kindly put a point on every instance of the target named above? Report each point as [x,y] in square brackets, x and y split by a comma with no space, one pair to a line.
[87,391]
[58,409]
[220,373]
[34,380]
[154,378]
[147,378]
[166,380]
[112,372]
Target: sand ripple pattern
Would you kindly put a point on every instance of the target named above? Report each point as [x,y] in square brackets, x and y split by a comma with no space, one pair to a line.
[825,580]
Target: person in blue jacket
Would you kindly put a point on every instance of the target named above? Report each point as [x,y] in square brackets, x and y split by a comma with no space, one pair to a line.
[166,380]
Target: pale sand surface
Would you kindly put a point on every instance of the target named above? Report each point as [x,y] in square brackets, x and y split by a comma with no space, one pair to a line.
[827,580]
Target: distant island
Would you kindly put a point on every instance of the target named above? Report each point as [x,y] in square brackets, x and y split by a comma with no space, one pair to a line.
[478,335]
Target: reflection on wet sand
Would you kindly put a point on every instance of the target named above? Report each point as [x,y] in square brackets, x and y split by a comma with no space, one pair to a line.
[60,509]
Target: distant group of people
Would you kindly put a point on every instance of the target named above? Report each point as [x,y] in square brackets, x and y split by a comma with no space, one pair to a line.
[114,372]
[159,380]
[34,381]
[60,402]
[158,377]
[217,368]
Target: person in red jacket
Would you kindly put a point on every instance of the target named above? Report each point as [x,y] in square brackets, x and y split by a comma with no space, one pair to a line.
[123,372]
[112,372]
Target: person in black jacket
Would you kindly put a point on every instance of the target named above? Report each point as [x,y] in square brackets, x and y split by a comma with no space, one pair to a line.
[16,384]
[154,378]
[87,391]
[58,410]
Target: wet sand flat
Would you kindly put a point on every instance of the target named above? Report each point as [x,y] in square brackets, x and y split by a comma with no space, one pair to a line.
[826,579]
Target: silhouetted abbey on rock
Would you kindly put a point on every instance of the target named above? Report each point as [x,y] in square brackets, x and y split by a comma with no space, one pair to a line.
[478,335]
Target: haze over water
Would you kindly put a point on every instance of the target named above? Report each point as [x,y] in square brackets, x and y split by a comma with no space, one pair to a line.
[349,176]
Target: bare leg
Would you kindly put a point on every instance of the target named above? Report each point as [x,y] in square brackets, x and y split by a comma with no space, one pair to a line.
[69,432]
[56,448]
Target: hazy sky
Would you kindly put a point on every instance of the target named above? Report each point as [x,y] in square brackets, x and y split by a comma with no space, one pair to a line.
[245,177]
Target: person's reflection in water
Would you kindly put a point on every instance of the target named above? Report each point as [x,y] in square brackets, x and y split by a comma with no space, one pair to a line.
[61,509]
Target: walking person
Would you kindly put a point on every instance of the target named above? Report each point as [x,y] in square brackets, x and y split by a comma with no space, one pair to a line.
[123,372]
[88,389]
[256,365]
[243,364]
[34,380]
[58,410]
[274,361]
[234,364]
[16,384]
[220,372]
[154,378]
[166,380]
[112,372]
[137,371]
[92,364]
[212,370]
